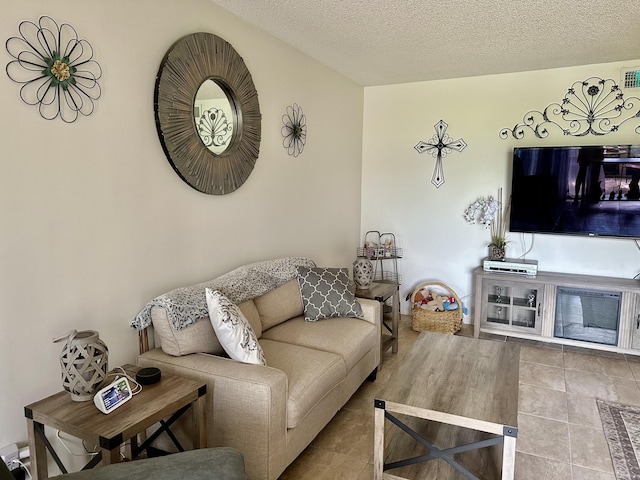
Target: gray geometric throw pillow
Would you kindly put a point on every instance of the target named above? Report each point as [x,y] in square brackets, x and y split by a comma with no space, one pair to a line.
[327,293]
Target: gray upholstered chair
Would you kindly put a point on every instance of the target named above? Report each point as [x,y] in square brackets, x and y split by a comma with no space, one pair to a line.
[203,464]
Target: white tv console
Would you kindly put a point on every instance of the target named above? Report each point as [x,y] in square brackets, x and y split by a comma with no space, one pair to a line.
[521,306]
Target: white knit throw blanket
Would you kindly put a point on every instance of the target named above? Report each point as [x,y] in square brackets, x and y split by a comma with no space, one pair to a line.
[187,305]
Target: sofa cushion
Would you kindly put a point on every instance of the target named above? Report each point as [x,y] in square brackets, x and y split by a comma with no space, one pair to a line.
[198,337]
[233,330]
[327,293]
[280,304]
[312,375]
[351,338]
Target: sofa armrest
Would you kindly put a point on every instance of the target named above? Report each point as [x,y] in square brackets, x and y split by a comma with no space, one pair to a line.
[245,405]
[370,310]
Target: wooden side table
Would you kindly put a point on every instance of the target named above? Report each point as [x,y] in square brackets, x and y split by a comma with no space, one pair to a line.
[170,397]
[382,291]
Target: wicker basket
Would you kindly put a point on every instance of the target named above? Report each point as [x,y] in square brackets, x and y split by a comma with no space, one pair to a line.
[442,322]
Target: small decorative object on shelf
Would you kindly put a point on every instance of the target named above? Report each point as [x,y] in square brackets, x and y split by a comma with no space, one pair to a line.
[84,363]
[488,211]
[56,69]
[380,248]
[294,130]
[531,300]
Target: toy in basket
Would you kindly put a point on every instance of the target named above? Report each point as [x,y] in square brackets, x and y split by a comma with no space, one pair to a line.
[436,308]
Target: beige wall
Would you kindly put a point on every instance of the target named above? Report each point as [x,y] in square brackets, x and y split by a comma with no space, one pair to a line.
[94,220]
[398,196]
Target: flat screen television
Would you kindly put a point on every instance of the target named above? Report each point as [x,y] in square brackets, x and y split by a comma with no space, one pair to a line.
[588,190]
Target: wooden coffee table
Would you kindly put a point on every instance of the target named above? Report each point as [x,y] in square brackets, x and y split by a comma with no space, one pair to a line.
[171,396]
[467,391]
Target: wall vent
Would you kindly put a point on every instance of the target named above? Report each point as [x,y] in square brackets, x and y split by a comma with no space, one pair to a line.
[630,78]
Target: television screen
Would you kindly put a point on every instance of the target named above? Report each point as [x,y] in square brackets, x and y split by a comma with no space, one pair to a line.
[576,190]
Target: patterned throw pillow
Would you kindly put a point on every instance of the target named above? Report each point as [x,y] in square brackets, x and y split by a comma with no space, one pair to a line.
[327,293]
[233,330]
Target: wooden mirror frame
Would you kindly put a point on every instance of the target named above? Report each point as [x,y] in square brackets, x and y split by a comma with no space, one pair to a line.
[189,62]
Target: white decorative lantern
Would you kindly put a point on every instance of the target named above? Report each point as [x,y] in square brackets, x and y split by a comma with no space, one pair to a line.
[362,273]
[84,361]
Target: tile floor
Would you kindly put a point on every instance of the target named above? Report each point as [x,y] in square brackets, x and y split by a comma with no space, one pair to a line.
[560,433]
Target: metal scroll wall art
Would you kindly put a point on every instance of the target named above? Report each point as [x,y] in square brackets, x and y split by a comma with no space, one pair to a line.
[439,146]
[56,69]
[593,106]
[294,130]
[214,128]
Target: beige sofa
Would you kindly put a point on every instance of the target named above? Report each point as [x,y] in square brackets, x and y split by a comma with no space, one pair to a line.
[272,413]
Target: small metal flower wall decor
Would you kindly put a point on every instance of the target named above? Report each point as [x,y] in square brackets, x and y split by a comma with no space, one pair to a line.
[56,69]
[593,106]
[294,130]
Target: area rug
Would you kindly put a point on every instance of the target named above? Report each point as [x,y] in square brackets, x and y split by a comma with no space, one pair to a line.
[621,425]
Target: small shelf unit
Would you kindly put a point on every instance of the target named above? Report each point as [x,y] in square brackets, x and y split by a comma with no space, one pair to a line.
[382,250]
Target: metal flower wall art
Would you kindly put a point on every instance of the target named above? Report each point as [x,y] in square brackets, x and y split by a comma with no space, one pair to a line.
[439,146]
[56,69]
[593,106]
[294,130]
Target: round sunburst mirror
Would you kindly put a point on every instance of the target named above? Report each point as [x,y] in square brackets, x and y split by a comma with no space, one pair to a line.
[207,114]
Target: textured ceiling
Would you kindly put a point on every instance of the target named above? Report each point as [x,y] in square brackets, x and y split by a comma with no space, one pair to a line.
[380,42]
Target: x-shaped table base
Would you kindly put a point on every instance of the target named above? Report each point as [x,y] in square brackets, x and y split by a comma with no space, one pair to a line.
[435,453]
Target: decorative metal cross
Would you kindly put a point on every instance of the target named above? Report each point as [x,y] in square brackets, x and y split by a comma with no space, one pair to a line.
[439,146]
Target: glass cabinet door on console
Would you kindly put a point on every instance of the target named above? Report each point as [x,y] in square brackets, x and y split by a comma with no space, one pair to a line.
[512,305]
